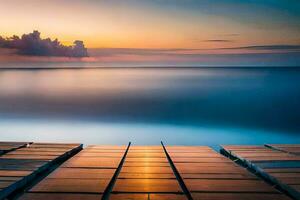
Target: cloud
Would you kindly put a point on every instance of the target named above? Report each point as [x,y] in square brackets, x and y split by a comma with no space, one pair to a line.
[230,34]
[263,49]
[218,40]
[269,47]
[33,45]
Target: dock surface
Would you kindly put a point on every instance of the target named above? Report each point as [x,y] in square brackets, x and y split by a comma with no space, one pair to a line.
[278,164]
[22,163]
[47,171]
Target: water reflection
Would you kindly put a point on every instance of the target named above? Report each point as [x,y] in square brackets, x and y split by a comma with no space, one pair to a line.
[122,133]
[265,99]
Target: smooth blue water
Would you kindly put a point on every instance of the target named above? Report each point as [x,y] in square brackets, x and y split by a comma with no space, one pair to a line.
[206,106]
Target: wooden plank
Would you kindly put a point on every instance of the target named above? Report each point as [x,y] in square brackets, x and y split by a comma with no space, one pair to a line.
[4,184]
[215,174]
[218,176]
[234,186]
[289,180]
[25,165]
[32,149]
[93,162]
[129,197]
[210,170]
[167,197]
[16,173]
[85,185]
[147,148]
[289,148]
[196,155]
[106,147]
[9,178]
[283,170]
[44,153]
[238,196]
[6,147]
[147,185]
[102,154]
[147,197]
[148,154]
[146,164]
[147,160]
[278,166]
[20,164]
[297,187]
[199,160]
[84,174]
[146,176]
[31,157]
[60,196]
[146,171]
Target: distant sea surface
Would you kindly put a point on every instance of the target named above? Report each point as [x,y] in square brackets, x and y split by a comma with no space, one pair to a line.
[187,106]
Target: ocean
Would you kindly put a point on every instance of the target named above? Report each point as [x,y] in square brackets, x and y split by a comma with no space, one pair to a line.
[179,105]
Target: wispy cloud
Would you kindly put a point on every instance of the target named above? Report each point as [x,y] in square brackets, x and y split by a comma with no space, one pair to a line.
[33,45]
[230,34]
[269,47]
[218,40]
[180,51]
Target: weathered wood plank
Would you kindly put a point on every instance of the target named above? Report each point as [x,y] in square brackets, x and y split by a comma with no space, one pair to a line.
[147,185]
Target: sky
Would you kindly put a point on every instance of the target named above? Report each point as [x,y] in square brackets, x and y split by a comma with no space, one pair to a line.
[246,32]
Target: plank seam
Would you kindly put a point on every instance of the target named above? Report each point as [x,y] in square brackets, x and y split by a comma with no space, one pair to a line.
[177,174]
[35,177]
[109,188]
[279,149]
[3,152]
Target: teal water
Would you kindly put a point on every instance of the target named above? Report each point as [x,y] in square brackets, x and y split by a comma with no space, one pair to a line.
[193,106]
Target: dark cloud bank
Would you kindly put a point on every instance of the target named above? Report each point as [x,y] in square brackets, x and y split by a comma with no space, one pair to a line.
[33,45]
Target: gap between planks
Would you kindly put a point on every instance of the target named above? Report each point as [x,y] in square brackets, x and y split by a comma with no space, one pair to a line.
[177,174]
[109,188]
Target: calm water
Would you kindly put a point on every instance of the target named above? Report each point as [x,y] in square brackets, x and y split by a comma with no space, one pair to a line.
[177,105]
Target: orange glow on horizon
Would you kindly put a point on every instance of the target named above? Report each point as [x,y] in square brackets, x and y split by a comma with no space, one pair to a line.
[139,25]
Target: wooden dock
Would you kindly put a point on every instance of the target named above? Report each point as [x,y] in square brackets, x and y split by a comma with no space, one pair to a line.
[19,166]
[33,171]
[6,147]
[277,164]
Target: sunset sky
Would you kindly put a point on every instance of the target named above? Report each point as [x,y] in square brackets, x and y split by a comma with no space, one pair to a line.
[205,25]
